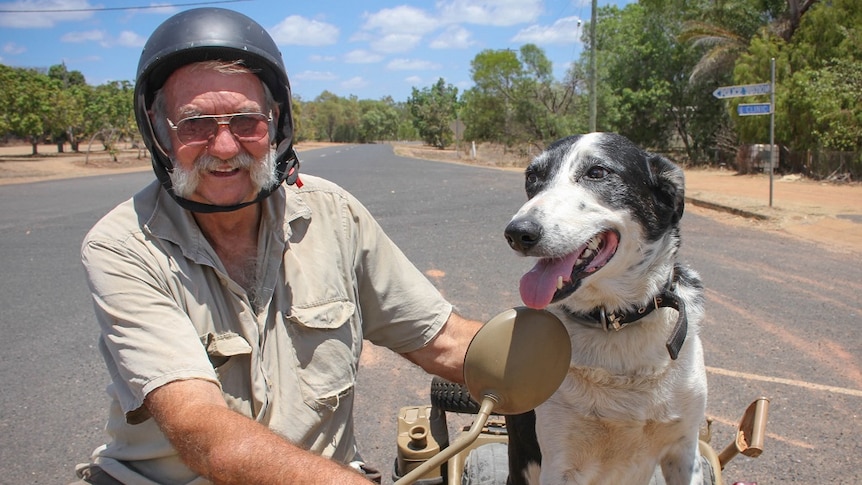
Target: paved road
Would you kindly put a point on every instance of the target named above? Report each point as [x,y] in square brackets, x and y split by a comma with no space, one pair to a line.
[781,316]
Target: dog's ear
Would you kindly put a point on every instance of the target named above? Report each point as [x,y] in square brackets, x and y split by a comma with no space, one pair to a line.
[670,184]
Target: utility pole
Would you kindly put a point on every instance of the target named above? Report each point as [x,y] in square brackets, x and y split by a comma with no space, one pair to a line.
[772,152]
[593,67]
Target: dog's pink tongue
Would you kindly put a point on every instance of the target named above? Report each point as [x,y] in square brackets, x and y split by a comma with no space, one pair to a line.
[540,283]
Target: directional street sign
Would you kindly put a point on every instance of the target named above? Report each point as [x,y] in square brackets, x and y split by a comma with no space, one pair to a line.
[742,90]
[754,109]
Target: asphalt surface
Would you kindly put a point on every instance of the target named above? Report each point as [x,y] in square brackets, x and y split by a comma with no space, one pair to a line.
[781,316]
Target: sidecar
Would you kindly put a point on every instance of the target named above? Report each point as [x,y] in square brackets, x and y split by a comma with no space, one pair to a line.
[423,432]
[501,382]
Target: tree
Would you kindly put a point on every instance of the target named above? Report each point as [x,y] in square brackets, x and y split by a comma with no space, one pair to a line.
[433,108]
[109,115]
[26,103]
[378,121]
[67,123]
[817,74]
[722,31]
[822,91]
[641,64]
[516,98]
[329,114]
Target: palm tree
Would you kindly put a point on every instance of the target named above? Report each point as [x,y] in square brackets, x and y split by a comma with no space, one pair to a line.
[726,28]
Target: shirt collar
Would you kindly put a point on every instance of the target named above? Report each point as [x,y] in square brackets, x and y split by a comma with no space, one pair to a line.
[166,220]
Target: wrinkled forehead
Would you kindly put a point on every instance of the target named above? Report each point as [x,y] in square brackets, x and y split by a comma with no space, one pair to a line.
[207,91]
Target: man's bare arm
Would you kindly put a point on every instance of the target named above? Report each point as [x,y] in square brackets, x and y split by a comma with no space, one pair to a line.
[227,447]
[444,355]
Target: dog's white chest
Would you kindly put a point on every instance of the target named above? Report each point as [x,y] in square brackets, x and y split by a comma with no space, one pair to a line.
[600,428]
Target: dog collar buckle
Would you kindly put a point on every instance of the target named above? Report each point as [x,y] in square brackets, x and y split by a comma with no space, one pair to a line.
[612,320]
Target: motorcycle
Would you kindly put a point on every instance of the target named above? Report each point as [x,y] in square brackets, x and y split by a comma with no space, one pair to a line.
[513,379]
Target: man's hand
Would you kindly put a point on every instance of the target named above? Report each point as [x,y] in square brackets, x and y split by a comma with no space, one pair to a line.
[227,447]
[444,355]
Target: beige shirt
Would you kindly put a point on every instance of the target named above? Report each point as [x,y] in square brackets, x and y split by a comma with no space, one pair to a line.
[327,278]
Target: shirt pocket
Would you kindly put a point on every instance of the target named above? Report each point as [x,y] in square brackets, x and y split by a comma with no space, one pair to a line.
[230,356]
[326,350]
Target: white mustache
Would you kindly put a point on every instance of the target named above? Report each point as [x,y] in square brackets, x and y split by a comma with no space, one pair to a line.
[208,163]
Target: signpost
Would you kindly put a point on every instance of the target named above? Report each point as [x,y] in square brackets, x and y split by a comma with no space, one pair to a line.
[742,90]
[756,109]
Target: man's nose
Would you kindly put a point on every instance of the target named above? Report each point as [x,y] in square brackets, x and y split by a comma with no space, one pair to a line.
[224,144]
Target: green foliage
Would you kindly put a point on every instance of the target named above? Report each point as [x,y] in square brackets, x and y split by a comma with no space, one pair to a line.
[753,67]
[332,118]
[645,89]
[109,114]
[515,99]
[26,103]
[658,63]
[329,115]
[818,95]
[378,121]
[433,109]
[60,106]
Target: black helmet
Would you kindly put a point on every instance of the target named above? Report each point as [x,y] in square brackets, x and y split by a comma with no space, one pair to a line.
[213,34]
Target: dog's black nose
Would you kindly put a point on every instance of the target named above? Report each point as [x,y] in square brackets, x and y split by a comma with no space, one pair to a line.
[523,234]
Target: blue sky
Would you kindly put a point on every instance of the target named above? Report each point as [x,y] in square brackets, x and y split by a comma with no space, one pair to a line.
[366,48]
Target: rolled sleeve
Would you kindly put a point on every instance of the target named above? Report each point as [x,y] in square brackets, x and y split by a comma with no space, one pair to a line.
[401,308]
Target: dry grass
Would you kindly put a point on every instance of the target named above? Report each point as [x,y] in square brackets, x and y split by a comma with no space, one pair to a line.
[486,154]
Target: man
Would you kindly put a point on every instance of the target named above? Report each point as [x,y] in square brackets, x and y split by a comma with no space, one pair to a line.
[233,306]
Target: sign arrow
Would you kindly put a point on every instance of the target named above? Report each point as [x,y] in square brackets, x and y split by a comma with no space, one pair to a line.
[741,90]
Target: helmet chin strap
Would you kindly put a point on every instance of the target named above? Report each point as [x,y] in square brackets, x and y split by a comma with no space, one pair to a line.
[287,171]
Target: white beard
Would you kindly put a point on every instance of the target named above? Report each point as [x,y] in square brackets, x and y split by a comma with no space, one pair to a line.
[262,171]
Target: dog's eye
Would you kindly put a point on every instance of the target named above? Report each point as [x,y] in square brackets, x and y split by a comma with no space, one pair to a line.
[532,178]
[597,173]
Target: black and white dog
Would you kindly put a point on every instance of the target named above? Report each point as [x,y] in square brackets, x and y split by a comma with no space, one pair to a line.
[603,220]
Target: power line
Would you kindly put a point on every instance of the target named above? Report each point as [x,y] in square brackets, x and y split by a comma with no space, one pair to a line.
[105,9]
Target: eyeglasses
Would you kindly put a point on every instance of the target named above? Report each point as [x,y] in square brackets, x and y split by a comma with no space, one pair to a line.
[198,130]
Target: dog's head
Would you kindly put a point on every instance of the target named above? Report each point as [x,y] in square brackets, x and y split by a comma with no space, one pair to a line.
[603,217]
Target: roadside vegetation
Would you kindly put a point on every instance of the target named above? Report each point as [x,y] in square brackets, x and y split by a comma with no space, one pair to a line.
[659,62]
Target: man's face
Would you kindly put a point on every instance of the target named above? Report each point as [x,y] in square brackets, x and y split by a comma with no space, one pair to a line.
[225,170]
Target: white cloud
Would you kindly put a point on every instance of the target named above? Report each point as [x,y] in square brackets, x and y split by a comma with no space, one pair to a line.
[483,12]
[362,36]
[354,83]
[563,31]
[315,76]
[454,37]
[362,57]
[296,30]
[44,18]
[400,20]
[319,58]
[414,80]
[411,65]
[128,38]
[89,36]
[13,48]
[395,43]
